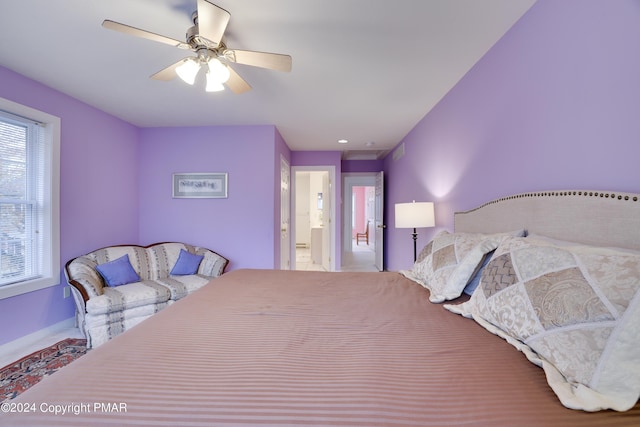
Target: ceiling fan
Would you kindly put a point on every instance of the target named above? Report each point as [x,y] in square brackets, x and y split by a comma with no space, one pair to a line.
[205,39]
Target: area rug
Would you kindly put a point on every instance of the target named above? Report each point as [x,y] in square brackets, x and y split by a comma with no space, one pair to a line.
[19,376]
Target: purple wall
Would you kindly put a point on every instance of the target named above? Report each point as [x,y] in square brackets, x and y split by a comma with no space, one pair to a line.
[354,166]
[553,105]
[116,188]
[240,227]
[98,194]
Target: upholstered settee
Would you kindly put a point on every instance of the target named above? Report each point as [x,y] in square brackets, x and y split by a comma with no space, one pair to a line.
[117,287]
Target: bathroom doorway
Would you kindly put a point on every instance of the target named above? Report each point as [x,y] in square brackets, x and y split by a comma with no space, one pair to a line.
[312,218]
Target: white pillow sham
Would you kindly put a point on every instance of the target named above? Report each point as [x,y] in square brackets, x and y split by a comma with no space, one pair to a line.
[449,261]
[572,309]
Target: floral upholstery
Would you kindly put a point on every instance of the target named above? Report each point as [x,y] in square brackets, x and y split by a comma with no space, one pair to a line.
[128,296]
[104,312]
[100,328]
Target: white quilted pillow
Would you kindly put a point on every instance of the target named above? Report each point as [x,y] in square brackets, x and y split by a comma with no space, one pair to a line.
[574,310]
[449,261]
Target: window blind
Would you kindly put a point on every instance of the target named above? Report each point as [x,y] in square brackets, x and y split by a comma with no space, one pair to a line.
[22,198]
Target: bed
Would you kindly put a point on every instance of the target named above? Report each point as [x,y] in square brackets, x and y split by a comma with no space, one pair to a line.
[280,348]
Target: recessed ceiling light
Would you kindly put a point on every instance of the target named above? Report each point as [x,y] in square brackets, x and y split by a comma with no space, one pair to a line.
[369,144]
[342,141]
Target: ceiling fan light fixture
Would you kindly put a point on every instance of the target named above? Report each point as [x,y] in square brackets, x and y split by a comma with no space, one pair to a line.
[205,40]
[218,71]
[213,85]
[188,70]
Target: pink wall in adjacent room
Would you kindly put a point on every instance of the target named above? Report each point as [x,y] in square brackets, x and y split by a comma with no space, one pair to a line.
[240,227]
[359,208]
[553,105]
[98,194]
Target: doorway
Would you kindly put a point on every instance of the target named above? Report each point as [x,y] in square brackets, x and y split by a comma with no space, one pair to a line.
[361,202]
[312,222]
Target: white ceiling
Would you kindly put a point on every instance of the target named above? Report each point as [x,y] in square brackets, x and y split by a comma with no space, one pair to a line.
[364,70]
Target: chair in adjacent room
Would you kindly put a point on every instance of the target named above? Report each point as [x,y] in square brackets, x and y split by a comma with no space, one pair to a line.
[363,236]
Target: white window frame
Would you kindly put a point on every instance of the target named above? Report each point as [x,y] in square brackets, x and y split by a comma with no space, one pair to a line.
[51,260]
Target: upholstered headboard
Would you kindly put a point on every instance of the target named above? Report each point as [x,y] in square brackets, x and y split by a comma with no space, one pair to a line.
[589,217]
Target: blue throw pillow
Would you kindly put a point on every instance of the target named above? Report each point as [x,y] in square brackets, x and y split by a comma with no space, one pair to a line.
[187,263]
[475,281]
[118,272]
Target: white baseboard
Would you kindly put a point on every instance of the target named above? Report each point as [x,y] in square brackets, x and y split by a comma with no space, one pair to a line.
[37,336]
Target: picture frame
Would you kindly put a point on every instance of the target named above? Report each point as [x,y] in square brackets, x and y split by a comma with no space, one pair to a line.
[199,186]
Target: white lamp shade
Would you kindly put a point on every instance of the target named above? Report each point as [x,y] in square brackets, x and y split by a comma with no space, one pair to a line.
[415,215]
[188,70]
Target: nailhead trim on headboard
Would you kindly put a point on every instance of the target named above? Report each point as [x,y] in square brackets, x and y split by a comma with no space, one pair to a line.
[600,218]
[601,194]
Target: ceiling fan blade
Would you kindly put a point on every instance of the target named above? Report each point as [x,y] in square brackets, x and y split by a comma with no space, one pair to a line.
[212,21]
[133,31]
[273,61]
[168,73]
[236,83]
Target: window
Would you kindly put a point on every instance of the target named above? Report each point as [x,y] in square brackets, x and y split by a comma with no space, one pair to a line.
[29,199]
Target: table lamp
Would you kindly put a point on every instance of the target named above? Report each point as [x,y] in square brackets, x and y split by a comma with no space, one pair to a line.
[415,215]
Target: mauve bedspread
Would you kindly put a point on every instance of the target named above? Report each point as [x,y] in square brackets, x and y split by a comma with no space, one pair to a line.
[276,348]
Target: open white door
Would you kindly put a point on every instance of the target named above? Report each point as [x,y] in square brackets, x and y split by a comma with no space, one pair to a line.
[327,221]
[285,212]
[379,221]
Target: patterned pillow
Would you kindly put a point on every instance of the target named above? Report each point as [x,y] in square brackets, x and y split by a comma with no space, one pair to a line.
[449,261]
[574,310]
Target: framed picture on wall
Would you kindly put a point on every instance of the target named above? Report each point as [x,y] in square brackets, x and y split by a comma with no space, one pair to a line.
[199,185]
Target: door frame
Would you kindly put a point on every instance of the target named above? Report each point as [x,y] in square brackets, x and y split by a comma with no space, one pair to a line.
[292,215]
[285,208]
[350,180]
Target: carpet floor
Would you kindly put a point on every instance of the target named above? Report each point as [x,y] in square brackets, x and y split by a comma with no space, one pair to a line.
[28,371]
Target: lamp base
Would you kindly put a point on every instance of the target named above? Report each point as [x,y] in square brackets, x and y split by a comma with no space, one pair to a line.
[415,245]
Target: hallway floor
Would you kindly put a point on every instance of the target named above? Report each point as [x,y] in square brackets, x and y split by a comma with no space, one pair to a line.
[360,258]
[303,261]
